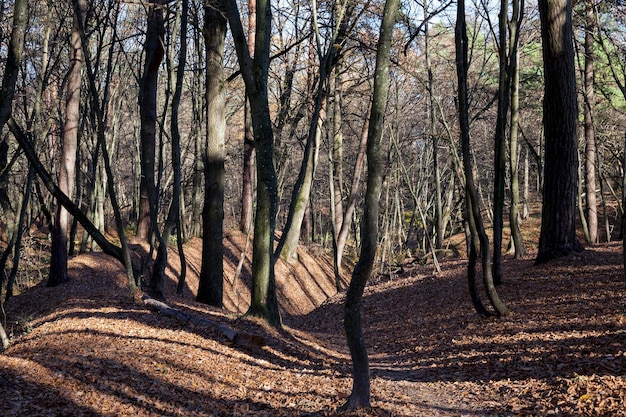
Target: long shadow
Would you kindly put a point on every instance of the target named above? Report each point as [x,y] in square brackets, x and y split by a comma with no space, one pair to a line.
[136,391]
[443,340]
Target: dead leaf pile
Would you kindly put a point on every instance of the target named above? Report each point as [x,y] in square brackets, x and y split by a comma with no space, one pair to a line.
[89,348]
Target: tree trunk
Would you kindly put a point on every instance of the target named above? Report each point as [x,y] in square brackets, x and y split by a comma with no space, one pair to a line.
[154,52]
[360,396]
[255,74]
[590,141]
[461,44]
[514,217]
[302,189]
[60,230]
[558,219]
[17,249]
[499,158]
[247,191]
[12,65]
[339,243]
[210,290]
[174,214]
[440,225]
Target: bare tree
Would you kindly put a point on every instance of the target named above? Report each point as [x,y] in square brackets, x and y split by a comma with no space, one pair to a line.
[360,395]
[254,71]
[67,172]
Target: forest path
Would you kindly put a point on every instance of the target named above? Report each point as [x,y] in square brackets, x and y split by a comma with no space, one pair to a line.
[87,348]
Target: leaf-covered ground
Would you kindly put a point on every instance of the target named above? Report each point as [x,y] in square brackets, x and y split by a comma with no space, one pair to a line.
[89,348]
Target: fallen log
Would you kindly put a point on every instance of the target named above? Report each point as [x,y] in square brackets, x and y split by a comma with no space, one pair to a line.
[232,336]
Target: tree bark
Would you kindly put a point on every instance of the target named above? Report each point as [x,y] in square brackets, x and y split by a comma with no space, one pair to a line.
[60,230]
[514,216]
[210,290]
[154,52]
[499,159]
[473,209]
[12,65]
[247,190]
[560,116]
[588,123]
[360,395]
[255,74]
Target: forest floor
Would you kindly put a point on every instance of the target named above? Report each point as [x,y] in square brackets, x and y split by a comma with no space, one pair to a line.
[89,348]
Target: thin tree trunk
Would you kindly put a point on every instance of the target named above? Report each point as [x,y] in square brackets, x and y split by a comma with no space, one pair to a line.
[526,193]
[624,205]
[247,192]
[471,193]
[255,75]
[123,254]
[12,65]
[514,217]
[360,395]
[17,249]
[590,141]
[499,162]
[60,230]
[439,217]
[174,213]
[339,243]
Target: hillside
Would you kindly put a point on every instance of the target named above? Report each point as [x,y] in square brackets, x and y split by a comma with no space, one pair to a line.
[88,348]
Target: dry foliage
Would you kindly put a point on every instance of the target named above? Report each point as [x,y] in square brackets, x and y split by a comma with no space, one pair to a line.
[89,348]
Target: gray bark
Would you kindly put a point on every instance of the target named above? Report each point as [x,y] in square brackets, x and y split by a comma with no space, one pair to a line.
[360,395]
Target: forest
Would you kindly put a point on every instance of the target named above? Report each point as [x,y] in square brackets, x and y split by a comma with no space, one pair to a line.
[353,207]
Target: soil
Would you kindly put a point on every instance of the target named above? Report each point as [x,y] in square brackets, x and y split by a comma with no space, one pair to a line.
[89,348]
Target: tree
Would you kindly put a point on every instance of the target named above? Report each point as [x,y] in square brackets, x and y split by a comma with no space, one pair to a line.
[7,90]
[302,189]
[499,154]
[60,229]
[254,71]
[212,272]
[588,123]
[473,216]
[514,217]
[360,395]
[247,186]
[560,116]
[154,52]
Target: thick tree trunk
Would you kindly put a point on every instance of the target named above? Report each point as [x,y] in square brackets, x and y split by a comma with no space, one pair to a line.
[210,290]
[558,218]
[360,395]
